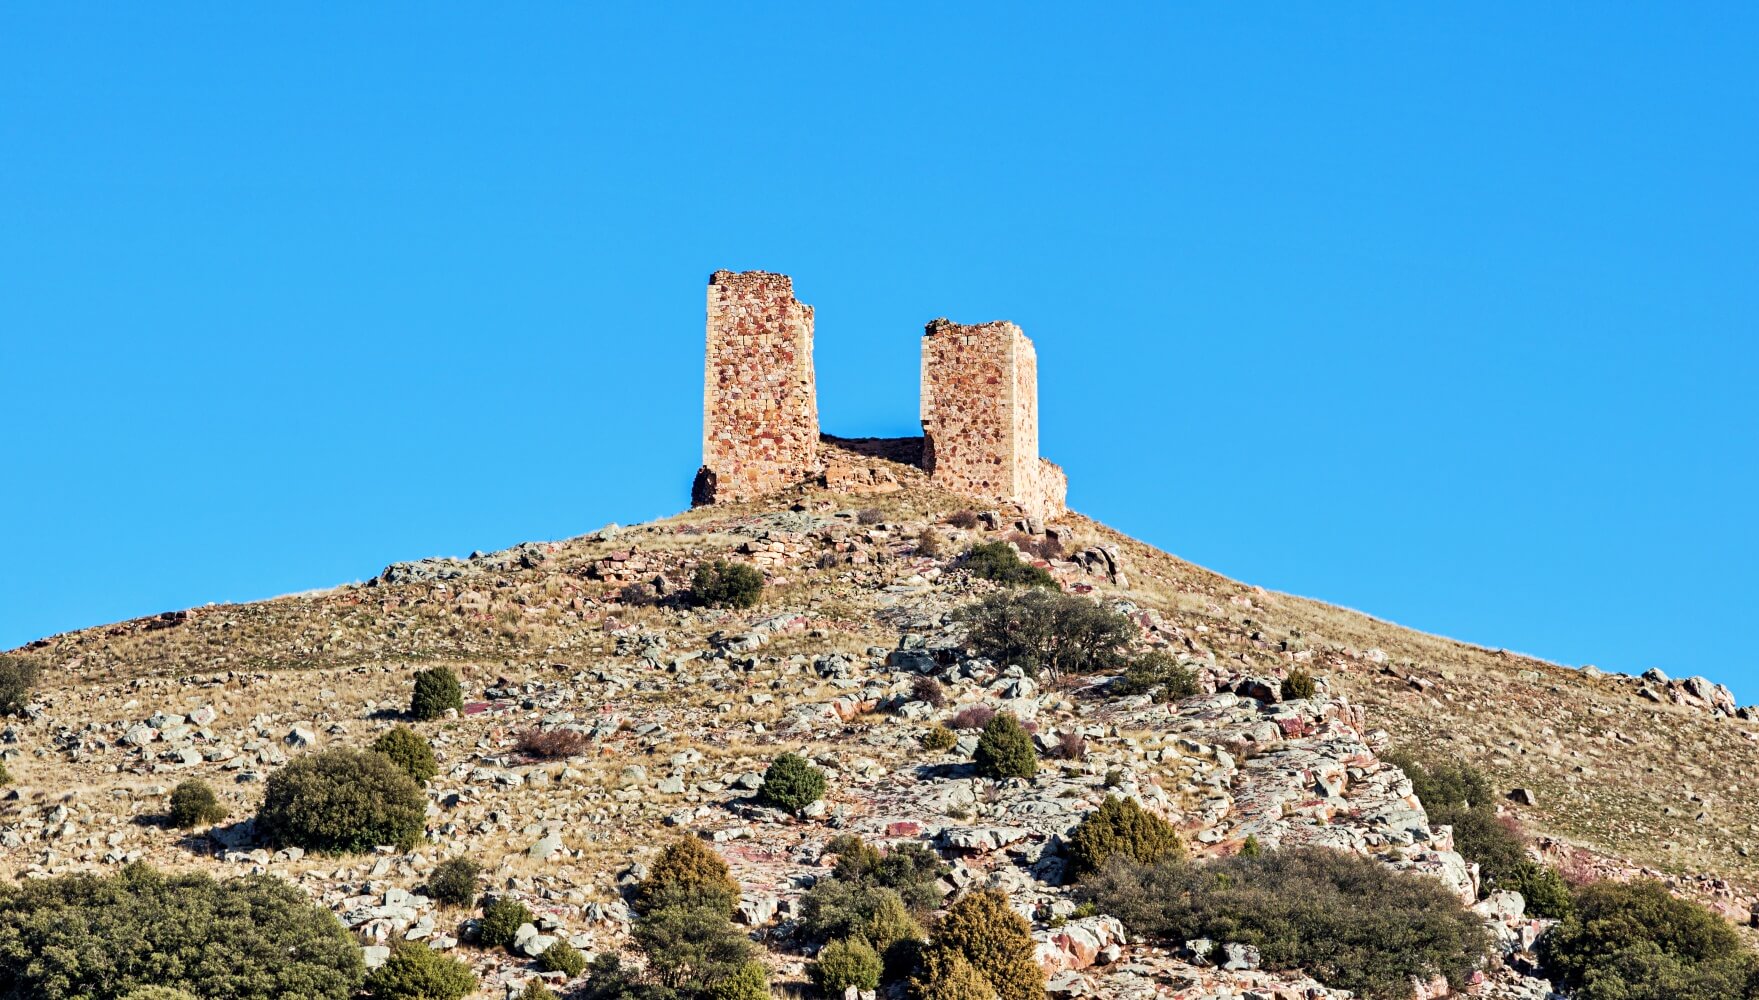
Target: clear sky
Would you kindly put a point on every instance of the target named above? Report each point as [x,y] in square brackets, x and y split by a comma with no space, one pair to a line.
[1450,315]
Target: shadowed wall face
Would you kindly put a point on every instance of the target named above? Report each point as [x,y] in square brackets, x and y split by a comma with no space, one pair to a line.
[760,403]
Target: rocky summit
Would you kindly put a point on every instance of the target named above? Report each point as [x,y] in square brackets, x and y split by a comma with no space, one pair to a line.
[673,711]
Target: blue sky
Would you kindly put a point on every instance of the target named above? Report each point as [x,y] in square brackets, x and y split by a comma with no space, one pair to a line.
[1450,315]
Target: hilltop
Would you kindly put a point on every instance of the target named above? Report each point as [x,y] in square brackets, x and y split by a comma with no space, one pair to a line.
[680,708]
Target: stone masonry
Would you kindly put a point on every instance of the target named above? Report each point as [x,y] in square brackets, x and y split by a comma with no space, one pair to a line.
[760,402]
[760,430]
[980,416]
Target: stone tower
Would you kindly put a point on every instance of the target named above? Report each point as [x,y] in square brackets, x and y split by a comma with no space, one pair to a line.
[980,416]
[760,402]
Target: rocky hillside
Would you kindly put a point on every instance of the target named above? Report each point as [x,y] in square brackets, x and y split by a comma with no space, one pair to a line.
[681,708]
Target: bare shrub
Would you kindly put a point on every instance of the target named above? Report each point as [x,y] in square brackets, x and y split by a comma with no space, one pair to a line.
[974,717]
[1071,746]
[552,744]
[870,516]
[926,688]
[963,519]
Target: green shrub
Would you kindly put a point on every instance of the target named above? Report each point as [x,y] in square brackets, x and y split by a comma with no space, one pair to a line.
[939,739]
[688,873]
[416,972]
[159,993]
[1349,921]
[1158,674]
[692,947]
[846,963]
[748,982]
[994,940]
[454,881]
[536,990]
[340,801]
[409,751]
[80,936]
[1005,750]
[194,804]
[1047,632]
[1635,941]
[792,783]
[1121,827]
[436,690]
[998,562]
[722,584]
[5,775]
[872,895]
[1299,684]
[501,921]
[17,678]
[1456,794]
[564,958]
[946,975]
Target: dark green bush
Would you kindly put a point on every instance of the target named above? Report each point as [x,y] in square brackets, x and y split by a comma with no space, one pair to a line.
[846,963]
[194,804]
[409,751]
[1635,941]
[792,783]
[998,562]
[1047,632]
[1159,674]
[254,937]
[688,873]
[722,584]
[436,690]
[18,677]
[939,739]
[1299,684]
[1456,794]
[1349,921]
[1121,827]
[692,947]
[607,979]
[1005,749]
[536,990]
[159,993]
[501,921]
[341,801]
[996,942]
[416,972]
[454,881]
[875,897]
[564,958]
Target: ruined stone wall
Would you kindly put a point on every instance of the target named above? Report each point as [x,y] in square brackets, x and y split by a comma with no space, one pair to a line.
[980,416]
[760,401]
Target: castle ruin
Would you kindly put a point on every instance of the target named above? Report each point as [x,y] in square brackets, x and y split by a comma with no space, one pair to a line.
[760,431]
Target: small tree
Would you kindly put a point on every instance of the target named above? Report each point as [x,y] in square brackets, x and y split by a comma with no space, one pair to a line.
[995,941]
[846,963]
[939,739]
[341,801]
[946,975]
[564,958]
[747,982]
[158,993]
[999,563]
[194,804]
[688,873]
[792,783]
[1121,827]
[1636,940]
[1005,750]
[1298,685]
[409,751]
[501,921]
[436,690]
[416,972]
[1047,632]
[722,584]
[454,881]
[692,947]
[17,677]
[1157,674]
